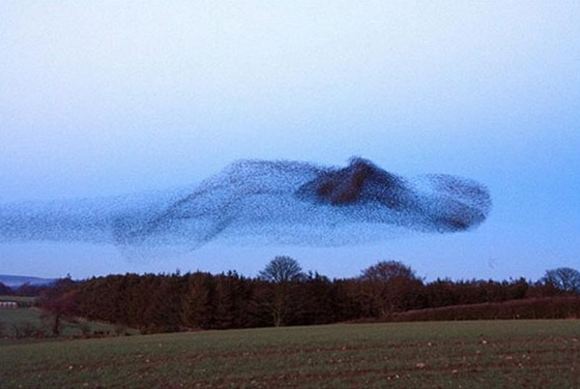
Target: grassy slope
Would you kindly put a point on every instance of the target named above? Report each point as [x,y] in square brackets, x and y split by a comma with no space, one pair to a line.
[449,354]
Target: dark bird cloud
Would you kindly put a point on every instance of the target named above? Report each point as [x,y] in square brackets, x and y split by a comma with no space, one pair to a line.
[262,202]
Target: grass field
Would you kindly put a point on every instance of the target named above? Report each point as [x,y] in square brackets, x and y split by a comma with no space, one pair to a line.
[437,354]
[20,299]
[33,319]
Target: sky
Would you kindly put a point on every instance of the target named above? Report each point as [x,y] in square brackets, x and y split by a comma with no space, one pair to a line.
[106,98]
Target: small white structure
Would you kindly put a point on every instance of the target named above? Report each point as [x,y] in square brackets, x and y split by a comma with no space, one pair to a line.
[8,304]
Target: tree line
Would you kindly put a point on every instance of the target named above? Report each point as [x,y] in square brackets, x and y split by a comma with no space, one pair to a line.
[282,294]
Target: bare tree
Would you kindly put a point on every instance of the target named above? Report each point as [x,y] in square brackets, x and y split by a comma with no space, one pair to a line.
[280,272]
[59,302]
[389,286]
[563,278]
[282,269]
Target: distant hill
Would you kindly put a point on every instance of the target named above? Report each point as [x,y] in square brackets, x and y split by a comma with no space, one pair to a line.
[16,281]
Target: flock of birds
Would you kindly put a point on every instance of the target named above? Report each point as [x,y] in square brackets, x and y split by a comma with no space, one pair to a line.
[261,202]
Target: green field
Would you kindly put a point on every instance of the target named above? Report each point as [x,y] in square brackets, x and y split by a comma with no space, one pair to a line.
[438,354]
[14,320]
[20,299]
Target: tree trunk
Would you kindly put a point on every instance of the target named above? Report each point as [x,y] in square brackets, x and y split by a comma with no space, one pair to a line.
[56,325]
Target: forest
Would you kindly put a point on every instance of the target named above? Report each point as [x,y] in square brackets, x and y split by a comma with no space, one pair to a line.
[283,295]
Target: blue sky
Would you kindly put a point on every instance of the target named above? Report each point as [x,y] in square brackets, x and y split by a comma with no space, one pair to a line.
[107,98]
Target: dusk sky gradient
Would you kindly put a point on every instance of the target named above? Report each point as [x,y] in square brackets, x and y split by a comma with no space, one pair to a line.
[105,98]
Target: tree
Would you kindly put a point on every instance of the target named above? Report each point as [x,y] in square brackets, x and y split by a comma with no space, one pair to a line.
[199,301]
[314,301]
[390,286]
[385,271]
[5,290]
[59,301]
[282,269]
[563,278]
[163,313]
[280,273]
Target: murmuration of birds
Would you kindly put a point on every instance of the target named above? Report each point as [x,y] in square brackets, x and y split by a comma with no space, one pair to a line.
[259,202]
